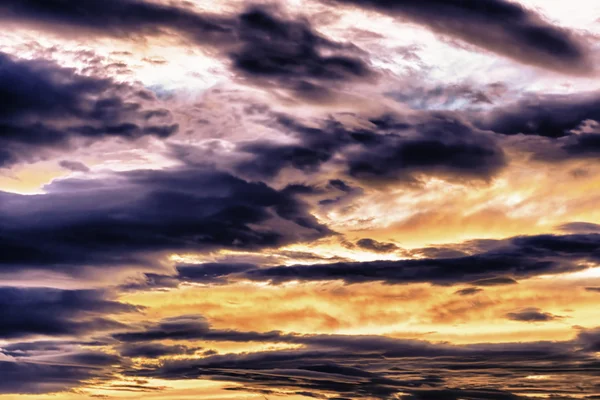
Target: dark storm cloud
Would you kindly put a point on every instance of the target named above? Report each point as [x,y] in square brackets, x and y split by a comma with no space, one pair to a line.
[532,314]
[126,217]
[393,149]
[46,106]
[259,43]
[518,258]
[290,52]
[440,144]
[500,26]
[382,367]
[550,116]
[445,147]
[54,312]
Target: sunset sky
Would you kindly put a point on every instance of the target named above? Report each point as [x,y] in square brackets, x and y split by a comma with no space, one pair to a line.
[299,199]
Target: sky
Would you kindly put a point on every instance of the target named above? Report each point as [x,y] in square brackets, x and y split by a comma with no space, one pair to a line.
[299,199]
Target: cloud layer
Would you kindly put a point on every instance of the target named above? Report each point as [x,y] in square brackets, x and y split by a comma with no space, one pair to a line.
[317,199]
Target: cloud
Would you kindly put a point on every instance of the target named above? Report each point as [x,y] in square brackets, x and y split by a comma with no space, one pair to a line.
[41,378]
[590,339]
[439,252]
[580,227]
[53,366]
[499,26]
[118,18]
[531,314]
[290,51]
[392,149]
[260,43]
[578,146]
[48,106]
[150,281]
[368,366]
[284,47]
[155,350]
[435,144]
[74,166]
[125,217]
[448,96]
[468,291]
[446,149]
[55,312]
[375,246]
[518,258]
[188,327]
[552,116]
[210,272]
[496,281]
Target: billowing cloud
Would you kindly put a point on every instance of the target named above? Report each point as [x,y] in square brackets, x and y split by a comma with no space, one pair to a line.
[394,149]
[122,219]
[290,52]
[48,107]
[259,43]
